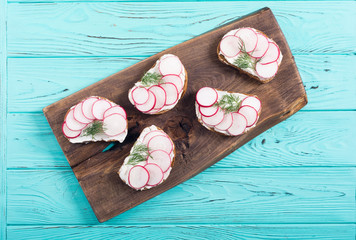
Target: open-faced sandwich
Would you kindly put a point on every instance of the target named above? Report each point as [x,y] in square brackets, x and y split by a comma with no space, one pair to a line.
[225,112]
[161,87]
[95,119]
[150,160]
[252,52]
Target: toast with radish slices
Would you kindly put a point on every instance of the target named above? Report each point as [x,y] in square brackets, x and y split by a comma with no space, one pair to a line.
[252,52]
[227,113]
[150,160]
[161,87]
[95,119]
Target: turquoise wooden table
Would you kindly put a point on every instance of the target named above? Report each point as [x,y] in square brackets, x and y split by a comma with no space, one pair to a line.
[296,180]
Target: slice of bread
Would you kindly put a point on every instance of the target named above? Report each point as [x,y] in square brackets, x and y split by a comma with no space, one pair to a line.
[145,152]
[268,68]
[168,85]
[225,112]
[80,125]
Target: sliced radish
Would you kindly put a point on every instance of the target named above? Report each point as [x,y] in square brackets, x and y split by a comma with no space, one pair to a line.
[266,70]
[87,107]
[114,124]
[239,124]
[147,106]
[208,111]
[215,119]
[78,114]
[207,96]
[230,46]
[139,95]
[253,102]
[250,114]
[161,96]
[272,54]
[138,177]
[161,158]
[248,37]
[73,124]
[170,65]
[115,109]
[261,48]
[225,123]
[172,93]
[70,133]
[231,33]
[163,143]
[151,134]
[176,80]
[156,174]
[99,107]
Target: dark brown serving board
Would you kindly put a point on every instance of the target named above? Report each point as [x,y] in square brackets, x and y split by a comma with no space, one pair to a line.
[196,147]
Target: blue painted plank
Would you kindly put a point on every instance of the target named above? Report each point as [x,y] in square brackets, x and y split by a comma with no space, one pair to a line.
[36,83]
[216,196]
[211,231]
[131,29]
[305,139]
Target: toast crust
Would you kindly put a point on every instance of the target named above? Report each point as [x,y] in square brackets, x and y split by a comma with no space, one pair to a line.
[222,58]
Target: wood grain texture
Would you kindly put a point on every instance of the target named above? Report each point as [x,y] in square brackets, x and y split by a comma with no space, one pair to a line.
[97,171]
[305,139]
[37,82]
[117,29]
[216,196]
[230,231]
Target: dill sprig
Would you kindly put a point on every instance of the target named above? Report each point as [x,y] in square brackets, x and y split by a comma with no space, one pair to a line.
[244,60]
[229,103]
[150,79]
[139,154]
[95,128]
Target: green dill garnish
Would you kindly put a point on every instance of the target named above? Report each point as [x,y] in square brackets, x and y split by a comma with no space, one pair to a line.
[139,154]
[229,103]
[95,128]
[244,60]
[150,79]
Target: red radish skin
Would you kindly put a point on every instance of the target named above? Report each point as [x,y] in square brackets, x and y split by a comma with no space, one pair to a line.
[140,95]
[207,96]
[254,102]
[151,134]
[172,93]
[78,114]
[214,120]
[208,111]
[138,177]
[87,107]
[161,96]
[174,79]
[163,143]
[261,48]
[114,124]
[266,71]
[148,106]
[271,55]
[248,37]
[250,114]
[238,126]
[161,158]
[70,133]
[115,109]
[230,46]
[170,65]
[225,123]
[99,107]
[156,174]
[73,124]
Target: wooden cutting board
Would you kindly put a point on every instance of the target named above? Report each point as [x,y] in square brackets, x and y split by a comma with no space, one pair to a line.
[196,147]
